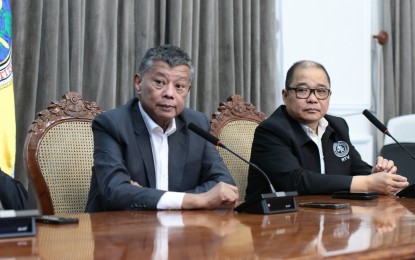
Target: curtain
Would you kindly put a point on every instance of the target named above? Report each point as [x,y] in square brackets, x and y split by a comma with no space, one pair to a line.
[399,58]
[94,47]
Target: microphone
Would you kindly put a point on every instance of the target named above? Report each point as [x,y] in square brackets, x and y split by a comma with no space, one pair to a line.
[384,130]
[207,136]
[408,192]
[274,202]
[376,122]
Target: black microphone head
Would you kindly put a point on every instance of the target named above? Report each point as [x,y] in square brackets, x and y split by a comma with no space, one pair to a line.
[204,134]
[375,121]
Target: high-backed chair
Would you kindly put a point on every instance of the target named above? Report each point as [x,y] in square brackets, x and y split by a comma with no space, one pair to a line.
[59,154]
[401,128]
[235,123]
[402,160]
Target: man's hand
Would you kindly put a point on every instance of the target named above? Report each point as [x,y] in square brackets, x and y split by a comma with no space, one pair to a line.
[381,182]
[384,165]
[386,183]
[221,194]
[134,183]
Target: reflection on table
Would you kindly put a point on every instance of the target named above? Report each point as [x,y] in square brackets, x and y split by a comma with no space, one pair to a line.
[382,228]
[190,235]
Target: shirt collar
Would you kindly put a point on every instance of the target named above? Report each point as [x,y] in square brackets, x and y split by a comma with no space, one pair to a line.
[151,125]
[322,125]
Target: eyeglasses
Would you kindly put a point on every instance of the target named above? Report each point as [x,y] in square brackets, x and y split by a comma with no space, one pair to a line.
[304,93]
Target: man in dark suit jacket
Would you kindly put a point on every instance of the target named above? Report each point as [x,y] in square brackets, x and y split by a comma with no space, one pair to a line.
[12,193]
[145,157]
[301,148]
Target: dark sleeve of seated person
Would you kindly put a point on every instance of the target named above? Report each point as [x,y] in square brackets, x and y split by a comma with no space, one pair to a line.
[12,193]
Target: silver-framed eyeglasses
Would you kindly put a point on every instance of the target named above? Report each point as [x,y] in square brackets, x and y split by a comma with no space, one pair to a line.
[304,93]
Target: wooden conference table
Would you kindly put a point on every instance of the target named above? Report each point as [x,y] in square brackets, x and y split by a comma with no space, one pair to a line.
[382,228]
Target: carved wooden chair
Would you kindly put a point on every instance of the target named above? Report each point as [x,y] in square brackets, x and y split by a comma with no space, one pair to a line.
[59,154]
[235,123]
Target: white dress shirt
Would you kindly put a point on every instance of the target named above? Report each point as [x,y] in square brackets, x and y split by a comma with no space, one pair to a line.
[160,149]
[321,128]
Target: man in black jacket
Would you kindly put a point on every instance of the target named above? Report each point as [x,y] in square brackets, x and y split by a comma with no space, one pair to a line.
[12,193]
[301,148]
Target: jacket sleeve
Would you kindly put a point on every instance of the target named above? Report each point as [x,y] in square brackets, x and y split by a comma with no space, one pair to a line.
[12,193]
[111,177]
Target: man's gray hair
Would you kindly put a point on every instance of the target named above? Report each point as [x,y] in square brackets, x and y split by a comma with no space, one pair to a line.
[170,54]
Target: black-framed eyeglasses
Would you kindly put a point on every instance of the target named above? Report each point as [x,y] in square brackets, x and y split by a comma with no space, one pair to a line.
[304,93]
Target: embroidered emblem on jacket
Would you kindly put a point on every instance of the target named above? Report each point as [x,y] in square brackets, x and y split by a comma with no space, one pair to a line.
[341,149]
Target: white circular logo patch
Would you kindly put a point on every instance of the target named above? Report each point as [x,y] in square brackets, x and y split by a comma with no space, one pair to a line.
[341,149]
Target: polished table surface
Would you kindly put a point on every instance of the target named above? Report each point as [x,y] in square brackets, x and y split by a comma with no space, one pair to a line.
[382,228]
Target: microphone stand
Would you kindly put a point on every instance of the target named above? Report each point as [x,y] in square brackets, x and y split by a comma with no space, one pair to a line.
[408,192]
[403,147]
[251,164]
[269,203]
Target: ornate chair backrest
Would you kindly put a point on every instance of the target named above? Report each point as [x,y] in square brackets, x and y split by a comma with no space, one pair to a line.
[59,154]
[401,128]
[234,123]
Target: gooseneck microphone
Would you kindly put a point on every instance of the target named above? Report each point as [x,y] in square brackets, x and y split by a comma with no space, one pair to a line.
[384,130]
[207,136]
[270,203]
[408,192]
[216,141]
[376,122]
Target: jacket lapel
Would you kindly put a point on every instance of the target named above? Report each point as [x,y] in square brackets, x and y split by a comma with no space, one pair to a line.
[143,143]
[178,149]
